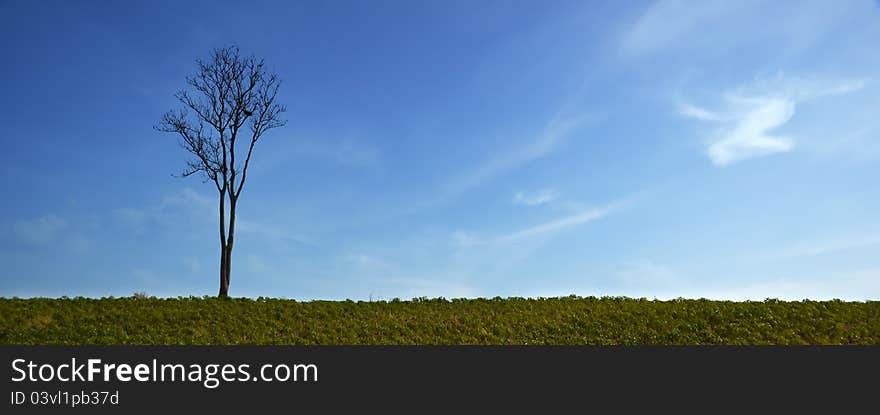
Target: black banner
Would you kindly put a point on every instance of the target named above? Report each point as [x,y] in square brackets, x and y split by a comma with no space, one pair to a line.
[329,379]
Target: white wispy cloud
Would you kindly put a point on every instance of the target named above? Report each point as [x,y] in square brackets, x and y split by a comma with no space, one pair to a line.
[691,111]
[171,210]
[665,23]
[751,113]
[362,262]
[467,239]
[582,214]
[557,225]
[800,88]
[189,197]
[713,27]
[861,144]
[270,231]
[188,206]
[550,138]
[534,199]
[40,231]
[827,246]
[345,152]
[749,136]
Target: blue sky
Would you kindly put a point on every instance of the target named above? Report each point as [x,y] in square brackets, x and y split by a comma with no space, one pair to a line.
[716,149]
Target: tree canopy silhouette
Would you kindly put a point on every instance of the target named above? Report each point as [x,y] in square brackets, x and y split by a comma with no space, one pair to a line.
[229,92]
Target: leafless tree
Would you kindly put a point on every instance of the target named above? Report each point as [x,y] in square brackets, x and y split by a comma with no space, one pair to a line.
[228,92]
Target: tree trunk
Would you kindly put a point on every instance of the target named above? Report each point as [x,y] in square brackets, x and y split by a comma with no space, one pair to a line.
[229,241]
[224,280]
[224,258]
[228,267]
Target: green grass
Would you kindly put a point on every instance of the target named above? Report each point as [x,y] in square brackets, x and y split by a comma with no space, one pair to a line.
[549,321]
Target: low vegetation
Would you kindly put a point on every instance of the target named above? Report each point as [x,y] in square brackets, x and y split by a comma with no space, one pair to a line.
[549,321]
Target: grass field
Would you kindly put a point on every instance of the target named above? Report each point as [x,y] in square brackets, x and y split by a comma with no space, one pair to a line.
[549,321]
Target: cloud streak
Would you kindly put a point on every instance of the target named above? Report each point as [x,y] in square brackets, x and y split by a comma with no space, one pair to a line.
[551,137]
[345,152]
[829,246]
[180,207]
[466,239]
[666,22]
[749,136]
[40,231]
[535,199]
[750,115]
[556,225]
[697,113]
[713,27]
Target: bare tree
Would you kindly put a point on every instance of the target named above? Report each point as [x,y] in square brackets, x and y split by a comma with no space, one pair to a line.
[230,91]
